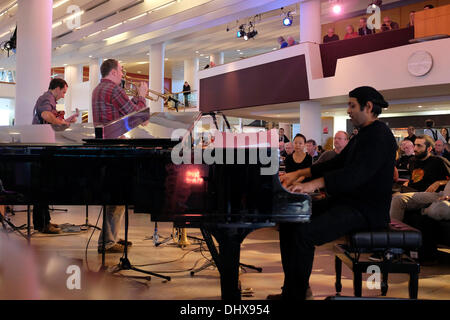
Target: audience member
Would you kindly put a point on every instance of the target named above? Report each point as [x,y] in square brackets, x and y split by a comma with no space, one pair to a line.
[282,136]
[428,6]
[433,133]
[289,148]
[417,200]
[445,135]
[340,141]
[438,148]
[447,151]
[411,19]
[425,168]
[291,41]
[350,32]
[299,159]
[388,24]
[411,134]
[311,149]
[282,42]
[363,29]
[282,150]
[354,133]
[407,149]
[330,36]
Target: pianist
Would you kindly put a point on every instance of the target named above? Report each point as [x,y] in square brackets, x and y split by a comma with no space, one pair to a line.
[358,182]
[45,112]
[110,102]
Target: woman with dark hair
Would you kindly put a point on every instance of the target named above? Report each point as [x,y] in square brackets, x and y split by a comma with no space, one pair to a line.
[445,135]
[298,159]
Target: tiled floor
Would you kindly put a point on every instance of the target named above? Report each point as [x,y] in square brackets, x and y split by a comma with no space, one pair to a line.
[43,272]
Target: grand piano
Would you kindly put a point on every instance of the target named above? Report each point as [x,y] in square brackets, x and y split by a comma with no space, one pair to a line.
[135,161]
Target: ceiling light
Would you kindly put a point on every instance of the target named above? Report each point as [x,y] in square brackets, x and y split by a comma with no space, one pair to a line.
[337,8]
[59,3]
[419,106]
[287,21]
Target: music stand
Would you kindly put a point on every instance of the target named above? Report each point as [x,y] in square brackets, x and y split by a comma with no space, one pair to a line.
[124,263]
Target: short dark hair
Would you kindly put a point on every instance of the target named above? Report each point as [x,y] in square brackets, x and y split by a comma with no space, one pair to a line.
[107,66]
[428,6]
[365,94]
[57,83]
[429,123]
[301,136]
[311,141]
[429,142]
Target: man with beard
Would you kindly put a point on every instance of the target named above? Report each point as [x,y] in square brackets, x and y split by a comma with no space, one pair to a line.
[358,182]
[426,170]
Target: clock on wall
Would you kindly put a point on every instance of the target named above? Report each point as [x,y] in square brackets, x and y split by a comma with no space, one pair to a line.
[420,63]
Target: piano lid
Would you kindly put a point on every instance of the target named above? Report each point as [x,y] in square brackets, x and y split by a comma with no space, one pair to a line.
[138,125]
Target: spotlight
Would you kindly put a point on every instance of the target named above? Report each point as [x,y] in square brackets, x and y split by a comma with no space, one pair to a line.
[241,32]
[337,8]
[251,34]
[287,21]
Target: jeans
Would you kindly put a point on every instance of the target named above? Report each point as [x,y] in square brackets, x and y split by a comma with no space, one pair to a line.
[410,201]
[113,221]
[298,241]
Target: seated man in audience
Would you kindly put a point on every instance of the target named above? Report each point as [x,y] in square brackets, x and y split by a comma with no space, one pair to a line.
[363,28]
[340,141]
[389,25]
[407,148]
[291,41]
[330,36]
[289,148]
[311,149]
[350,32]
[425,168]
[282,42]
[438,148]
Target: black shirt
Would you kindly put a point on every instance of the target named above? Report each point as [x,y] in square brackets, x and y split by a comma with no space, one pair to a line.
[326,38]
[365,31]
[403,162]
[426,172]
[361,175]
[283,138]
[412,138]
[186,89]
[291,165]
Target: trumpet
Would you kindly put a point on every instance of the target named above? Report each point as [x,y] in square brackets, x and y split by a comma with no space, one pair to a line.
[131,89]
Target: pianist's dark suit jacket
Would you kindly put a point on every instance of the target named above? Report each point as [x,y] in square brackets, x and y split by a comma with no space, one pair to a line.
[361,176]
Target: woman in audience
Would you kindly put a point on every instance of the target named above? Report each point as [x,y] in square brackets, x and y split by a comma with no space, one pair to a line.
[299,159]
[350,32]
[445,135]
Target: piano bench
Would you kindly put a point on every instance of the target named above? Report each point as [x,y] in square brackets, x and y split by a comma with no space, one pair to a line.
[391,243]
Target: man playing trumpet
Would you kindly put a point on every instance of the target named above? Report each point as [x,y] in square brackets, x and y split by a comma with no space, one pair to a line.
[110,102]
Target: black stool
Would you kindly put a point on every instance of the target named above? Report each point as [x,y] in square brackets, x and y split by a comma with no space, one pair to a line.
[392,243]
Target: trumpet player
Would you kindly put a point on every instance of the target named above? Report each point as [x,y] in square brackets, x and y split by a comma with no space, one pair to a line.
[109,99]
[110,102]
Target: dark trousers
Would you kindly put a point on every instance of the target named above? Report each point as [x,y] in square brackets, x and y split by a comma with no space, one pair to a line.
[41,216]
[186,100]
[427,227]
[298,241]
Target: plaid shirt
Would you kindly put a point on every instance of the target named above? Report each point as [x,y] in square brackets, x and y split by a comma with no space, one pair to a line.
[110,102]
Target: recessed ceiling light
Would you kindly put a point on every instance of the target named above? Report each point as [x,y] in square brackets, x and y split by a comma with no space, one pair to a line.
[419,106]
[90,56]
[166,59]
[241,53]
[196,51]
[139,72]
[238,50]
[201,54]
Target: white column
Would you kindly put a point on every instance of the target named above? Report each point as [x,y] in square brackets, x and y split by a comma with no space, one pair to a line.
[156,74]
[189,72]
[94,80]
[72,77]
[217,58]
[33,57]
[310,121]
[310,28]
